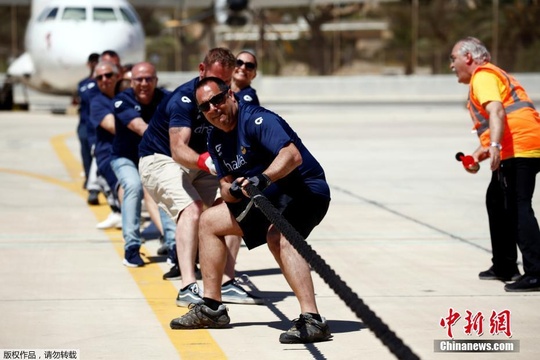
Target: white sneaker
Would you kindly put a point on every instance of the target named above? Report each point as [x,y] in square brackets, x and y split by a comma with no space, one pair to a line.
[114,220]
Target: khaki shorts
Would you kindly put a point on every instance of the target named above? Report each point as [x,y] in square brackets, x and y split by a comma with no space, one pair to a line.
[173,186]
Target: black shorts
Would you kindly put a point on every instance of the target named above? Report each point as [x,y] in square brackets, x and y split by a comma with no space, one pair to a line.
[304,212]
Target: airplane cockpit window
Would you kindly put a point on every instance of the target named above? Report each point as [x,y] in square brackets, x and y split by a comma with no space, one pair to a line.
[128,16]
[73,13]
[48,14]
[104,14]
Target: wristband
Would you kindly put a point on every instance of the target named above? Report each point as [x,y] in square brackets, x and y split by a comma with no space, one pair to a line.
[235,190]
[495,144]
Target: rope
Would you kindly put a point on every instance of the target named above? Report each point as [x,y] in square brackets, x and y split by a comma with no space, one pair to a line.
[357,305]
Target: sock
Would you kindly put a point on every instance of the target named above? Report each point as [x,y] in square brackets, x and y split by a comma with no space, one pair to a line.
[316,317]
[211,303]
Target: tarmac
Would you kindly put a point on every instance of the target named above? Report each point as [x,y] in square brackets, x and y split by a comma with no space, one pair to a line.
[406,231]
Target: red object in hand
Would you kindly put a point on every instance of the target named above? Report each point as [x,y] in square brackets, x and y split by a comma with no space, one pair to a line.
[468,162]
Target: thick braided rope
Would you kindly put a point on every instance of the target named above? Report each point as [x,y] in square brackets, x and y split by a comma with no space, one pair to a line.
[357,305]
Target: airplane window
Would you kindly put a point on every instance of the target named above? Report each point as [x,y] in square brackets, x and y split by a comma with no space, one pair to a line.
[72,13]
[128,16]
[48,14]
[104,14]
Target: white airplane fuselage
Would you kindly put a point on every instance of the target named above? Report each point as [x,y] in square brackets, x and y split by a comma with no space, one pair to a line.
[62,33]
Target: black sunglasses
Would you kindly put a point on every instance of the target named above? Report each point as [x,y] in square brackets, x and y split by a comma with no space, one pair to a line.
[107,75]
[148,79]
[249,65]
[214,100]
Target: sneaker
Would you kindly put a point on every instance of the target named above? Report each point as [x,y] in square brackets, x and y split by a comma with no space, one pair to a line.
[306,330]
[189,295]
[163,248]
[490,274]
[172,257]
[93,198]
[114,220]
[132,257]
[525,283]
[232,293]
[173,273]
[201,316]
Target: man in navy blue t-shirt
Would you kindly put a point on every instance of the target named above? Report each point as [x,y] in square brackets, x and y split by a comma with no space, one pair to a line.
[250,144]
[133,109]
[178,173]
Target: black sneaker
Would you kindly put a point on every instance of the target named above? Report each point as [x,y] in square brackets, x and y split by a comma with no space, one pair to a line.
[173,274]
[93,198]
[525,283]
[306,330]
[201,316]
[490,274]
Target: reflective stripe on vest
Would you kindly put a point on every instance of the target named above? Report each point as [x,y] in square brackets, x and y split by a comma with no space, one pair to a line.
[482,123]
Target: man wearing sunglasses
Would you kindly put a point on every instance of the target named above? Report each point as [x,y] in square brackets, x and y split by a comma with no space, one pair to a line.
[178,173]
[244,73]
[250,144]
[106,75]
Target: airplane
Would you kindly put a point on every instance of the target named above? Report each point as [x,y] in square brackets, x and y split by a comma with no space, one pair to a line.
[62,33]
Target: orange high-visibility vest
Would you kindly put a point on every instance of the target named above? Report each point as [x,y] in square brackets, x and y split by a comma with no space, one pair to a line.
[522,123]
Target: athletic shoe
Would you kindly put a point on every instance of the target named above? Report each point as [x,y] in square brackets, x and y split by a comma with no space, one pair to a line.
[305,330]
[201,316]
[114,220]
[232,293]
[189,295]
[172,257]
[163,248]
[173,273]
[525,283]
[132,257]
[93,198]
[490,274]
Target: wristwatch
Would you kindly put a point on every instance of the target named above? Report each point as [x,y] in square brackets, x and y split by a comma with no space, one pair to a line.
[496,144]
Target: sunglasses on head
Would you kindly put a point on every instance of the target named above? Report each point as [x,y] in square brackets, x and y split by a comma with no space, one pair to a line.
[148,79]
[249,65]
[214,100]
[103,76]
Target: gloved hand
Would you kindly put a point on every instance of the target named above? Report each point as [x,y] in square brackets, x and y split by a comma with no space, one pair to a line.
[205,163]
[261,181]
[235,190]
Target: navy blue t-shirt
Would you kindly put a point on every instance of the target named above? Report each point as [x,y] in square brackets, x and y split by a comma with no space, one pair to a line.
[126,108]
[248,95]
[251,147]
[87,89]
[179,109]
[100,106]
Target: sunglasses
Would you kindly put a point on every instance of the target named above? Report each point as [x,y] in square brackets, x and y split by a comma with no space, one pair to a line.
[214,100]
[148,79]
[249,65]
[103,76]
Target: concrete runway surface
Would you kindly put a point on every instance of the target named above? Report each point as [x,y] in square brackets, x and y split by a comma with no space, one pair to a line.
[406,230]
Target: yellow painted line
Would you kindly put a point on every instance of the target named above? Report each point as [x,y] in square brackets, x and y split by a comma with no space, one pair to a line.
[160,294]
